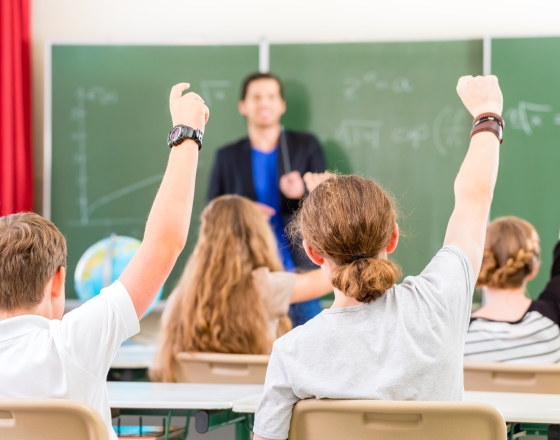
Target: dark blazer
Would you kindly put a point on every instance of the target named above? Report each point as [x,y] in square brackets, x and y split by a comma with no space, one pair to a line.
[232,173]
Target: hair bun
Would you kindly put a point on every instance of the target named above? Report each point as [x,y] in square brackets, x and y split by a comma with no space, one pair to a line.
[365,279]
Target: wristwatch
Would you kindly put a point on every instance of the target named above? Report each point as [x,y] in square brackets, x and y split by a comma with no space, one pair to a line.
[181,132]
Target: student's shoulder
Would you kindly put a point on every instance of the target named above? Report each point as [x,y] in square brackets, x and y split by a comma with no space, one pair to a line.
[300,337]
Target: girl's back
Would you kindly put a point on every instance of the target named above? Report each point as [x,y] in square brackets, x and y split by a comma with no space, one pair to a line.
[510,327]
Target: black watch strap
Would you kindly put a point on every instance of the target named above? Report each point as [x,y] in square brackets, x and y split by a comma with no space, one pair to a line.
[180,132]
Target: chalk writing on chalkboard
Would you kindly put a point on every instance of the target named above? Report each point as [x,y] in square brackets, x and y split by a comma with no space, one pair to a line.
[214,90]
[353,133]
[414,135]
[353,87]
[78,114]
[527,116]
[450,129]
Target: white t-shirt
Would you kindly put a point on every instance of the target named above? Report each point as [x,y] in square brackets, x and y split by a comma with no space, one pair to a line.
[406,345]
[70,358]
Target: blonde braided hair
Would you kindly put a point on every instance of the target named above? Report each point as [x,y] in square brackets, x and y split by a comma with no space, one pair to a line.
[511,253]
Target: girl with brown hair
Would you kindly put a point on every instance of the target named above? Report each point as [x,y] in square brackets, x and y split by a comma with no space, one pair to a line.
[233,296]
[510,327]
[382,340]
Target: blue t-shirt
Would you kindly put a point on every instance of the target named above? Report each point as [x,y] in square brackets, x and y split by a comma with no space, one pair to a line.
[265,180]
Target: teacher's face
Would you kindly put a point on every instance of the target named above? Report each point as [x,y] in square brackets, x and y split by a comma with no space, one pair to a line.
[263,105]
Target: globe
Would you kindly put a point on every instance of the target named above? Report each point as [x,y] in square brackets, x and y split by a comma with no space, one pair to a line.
[103,263]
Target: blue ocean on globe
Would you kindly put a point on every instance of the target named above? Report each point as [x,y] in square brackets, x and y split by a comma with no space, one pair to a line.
[103,263]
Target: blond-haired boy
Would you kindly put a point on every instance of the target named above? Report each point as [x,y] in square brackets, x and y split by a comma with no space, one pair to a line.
[46,355]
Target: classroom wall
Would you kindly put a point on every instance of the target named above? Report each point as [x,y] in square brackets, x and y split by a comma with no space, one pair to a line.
[161,21]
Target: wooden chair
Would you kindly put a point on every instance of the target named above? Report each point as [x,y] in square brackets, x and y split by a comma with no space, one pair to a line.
[50,419]
[390,420]
[220,368]
[512,378]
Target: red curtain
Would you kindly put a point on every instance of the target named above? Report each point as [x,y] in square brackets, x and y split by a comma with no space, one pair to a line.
[16,162]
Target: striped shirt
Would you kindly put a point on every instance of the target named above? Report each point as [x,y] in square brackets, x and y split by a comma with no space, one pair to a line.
[534,339]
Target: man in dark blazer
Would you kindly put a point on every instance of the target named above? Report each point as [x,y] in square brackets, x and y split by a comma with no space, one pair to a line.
[268,167]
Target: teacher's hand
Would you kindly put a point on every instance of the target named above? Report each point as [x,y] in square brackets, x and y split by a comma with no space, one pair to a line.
[292,185]
[312,180]
[267,211]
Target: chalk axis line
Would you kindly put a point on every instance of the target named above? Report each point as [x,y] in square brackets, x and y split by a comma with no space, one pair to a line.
[211,89]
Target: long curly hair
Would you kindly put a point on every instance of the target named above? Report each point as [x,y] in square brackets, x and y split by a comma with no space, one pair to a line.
[216,306]
[511,252]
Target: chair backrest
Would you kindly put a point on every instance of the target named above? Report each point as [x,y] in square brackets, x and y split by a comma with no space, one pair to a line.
[512,378]
[220,368]
[391,420]
[50,419]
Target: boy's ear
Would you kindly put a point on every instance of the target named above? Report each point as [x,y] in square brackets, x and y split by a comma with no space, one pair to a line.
[313,254]
[394,240]
[57,289]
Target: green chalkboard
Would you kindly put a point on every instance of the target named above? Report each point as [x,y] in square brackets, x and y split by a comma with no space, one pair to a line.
[388,111]
[110,119]
[529,182]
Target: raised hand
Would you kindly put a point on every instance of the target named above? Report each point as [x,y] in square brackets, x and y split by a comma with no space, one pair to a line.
[292,185]
[481,94]
[312,180]
[267,211]
[187,109]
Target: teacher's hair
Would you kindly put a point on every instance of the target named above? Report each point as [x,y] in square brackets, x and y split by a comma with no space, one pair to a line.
[350,220]
[258,76]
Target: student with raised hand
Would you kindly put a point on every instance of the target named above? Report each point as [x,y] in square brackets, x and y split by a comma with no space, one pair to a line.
[45,354]
[510,327]
[382,340]
[233,296]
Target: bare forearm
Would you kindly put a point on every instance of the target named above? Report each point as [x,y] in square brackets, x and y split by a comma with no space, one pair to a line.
[310,285]
[474,188]
[168,223]
[169,219]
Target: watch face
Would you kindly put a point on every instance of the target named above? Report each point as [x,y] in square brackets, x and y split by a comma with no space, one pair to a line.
[175,133]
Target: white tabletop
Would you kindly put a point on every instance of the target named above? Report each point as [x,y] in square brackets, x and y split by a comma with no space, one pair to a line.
[134,355]
[151,395]
[514,407]
[521,408]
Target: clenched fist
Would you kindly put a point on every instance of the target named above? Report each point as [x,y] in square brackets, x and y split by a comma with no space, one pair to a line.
[187,109]
[481,94]
[312,180]
[292,185]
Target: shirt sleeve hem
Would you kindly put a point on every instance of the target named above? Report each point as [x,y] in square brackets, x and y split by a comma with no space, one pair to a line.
[466,261]
[268,435]
[120,297]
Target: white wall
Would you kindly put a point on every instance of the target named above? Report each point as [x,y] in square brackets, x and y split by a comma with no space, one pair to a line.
[278,21]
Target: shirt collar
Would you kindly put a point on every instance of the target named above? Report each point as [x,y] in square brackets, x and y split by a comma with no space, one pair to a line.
[20,325]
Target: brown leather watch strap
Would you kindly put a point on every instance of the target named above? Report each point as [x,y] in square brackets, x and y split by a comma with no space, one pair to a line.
[489,116]
[490,125]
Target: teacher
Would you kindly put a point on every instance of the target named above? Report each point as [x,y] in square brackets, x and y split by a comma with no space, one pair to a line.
[267,167]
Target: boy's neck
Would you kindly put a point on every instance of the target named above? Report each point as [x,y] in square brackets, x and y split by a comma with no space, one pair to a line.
[341,300]
[44,308]
[264,139]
